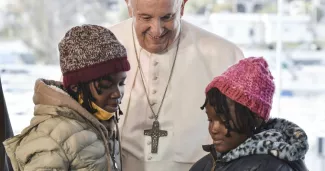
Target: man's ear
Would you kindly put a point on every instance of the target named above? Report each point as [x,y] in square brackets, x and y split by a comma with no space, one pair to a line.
[129,5]
[182,7]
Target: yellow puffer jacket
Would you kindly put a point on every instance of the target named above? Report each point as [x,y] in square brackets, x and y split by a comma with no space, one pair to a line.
[63,136]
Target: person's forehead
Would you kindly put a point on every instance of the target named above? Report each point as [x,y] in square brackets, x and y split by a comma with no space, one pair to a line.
[209,109]
[119,75]
[150,6]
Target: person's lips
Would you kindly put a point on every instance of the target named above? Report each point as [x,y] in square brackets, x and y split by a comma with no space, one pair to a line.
[217,142]
[112,107]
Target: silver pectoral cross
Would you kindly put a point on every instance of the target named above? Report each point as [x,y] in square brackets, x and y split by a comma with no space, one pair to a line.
[155,134]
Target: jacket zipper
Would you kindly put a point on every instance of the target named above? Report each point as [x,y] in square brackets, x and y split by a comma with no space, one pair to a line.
[214,163]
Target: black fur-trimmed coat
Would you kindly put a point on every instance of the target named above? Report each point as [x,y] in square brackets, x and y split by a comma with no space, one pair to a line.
[279,146]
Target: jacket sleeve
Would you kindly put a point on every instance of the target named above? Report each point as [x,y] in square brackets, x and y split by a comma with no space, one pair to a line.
[280,165]
[271,164]
[204,164]
[261,163]
[42,153]
[270,167]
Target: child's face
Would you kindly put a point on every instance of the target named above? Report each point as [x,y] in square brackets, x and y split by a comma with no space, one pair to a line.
[218,130]
[111,91]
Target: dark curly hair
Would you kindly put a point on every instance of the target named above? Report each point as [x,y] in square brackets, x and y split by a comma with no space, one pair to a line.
[246,122]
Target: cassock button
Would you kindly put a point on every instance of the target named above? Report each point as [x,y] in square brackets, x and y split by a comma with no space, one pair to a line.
[155,63]
[149,143]
[154,91]
[153,102]
[155,78]
[151,117]
[149,158]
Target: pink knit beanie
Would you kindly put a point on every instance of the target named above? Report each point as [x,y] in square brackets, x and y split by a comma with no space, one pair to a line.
[249,83]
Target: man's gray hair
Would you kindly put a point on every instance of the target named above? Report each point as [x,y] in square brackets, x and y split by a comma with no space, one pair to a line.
[179,3]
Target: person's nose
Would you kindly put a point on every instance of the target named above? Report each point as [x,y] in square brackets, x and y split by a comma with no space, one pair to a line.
[157,28]
[117,93]
[215,127]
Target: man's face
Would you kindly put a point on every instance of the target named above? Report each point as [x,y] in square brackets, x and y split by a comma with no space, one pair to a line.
[156,22]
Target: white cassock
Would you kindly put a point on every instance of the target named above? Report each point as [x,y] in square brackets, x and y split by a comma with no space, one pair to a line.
[201,56]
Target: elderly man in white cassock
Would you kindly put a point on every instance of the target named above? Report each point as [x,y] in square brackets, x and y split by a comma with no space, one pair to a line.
[163,128]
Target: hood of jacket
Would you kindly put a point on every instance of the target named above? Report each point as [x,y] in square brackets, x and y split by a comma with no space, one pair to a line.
[52,93]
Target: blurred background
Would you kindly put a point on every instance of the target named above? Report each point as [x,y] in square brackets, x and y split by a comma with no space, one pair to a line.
[290,34]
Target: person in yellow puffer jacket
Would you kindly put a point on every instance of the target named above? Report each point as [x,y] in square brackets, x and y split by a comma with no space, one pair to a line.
[75,121]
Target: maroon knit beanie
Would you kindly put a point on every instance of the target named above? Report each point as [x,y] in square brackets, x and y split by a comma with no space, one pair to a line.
[89,52]
[249,83]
